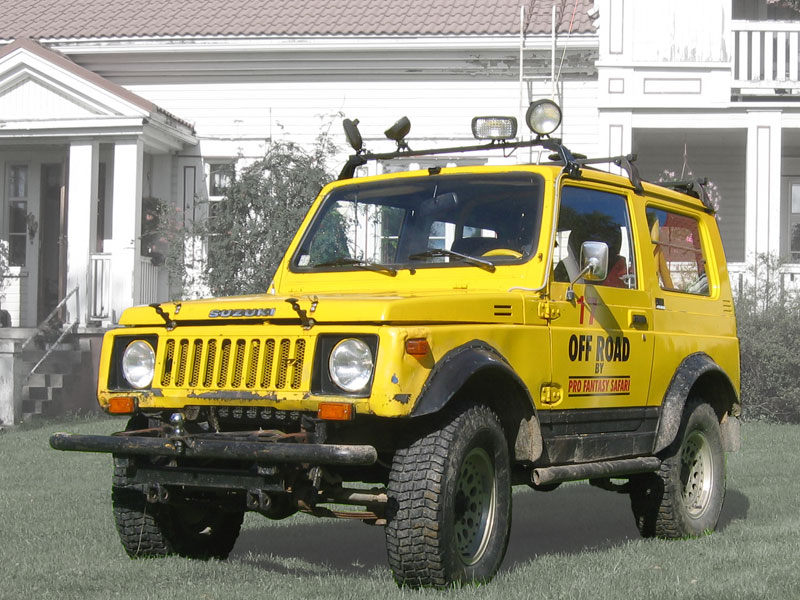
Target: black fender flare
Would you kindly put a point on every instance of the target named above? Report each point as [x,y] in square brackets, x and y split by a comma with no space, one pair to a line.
[475,358]
[691,369]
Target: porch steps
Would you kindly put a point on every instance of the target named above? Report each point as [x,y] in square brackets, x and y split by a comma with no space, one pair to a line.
[59,383]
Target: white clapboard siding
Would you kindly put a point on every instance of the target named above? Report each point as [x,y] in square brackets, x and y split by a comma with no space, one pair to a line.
[439,111]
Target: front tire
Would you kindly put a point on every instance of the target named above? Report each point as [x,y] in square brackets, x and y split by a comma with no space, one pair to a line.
[685,496]
[149,530]
[450,503]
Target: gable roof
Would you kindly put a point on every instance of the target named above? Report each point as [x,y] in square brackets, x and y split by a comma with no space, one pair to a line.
[66,19]
[115,92]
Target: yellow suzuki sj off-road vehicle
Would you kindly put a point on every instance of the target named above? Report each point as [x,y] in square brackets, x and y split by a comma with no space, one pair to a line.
[432,338]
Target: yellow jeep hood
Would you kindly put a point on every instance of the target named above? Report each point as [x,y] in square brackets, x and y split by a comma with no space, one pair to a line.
[472,307]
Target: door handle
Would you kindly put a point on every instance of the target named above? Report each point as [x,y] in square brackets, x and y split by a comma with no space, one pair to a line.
[637,319]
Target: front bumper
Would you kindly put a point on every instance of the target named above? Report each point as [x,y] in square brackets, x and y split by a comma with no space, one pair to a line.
[201,447]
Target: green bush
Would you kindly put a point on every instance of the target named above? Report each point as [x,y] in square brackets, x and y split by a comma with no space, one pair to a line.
[768,317]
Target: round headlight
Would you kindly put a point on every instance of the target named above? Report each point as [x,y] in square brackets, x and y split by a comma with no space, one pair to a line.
[543,117]
[138,364]
[350,365]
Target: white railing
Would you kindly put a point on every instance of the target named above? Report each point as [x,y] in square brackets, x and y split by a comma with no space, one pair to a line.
[148,280]
[766,55]
[741,274]
[100,292]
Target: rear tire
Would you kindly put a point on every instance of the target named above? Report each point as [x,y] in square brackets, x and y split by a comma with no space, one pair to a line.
[450,503]
[685,496]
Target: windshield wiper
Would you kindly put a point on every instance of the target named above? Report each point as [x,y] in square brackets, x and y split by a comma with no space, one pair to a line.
[478,262]
[346,261]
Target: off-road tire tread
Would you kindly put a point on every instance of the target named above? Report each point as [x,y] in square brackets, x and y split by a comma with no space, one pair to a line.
[420,467]
[653,499]
[140,530]
[153,530]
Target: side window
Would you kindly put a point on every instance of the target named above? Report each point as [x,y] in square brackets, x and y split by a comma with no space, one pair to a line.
[597,216]
[678,252]
[17,214]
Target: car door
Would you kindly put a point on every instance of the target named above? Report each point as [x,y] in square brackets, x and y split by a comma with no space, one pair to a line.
[601,340]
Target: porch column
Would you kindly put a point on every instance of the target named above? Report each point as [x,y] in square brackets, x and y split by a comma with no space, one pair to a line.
[126,226]
[763,190]
[616,135]
[81,224]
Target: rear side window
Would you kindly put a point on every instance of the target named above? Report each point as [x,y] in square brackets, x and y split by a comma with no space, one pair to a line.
[680,260]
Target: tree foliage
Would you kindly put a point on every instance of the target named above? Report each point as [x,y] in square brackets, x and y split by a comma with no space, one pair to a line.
[3,264]
[249,230]
[793,4]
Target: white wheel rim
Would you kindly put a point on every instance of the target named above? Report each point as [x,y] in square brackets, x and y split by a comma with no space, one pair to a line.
[474,506]
[697,474]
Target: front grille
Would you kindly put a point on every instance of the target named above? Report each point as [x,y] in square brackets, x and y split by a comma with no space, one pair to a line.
[233,363]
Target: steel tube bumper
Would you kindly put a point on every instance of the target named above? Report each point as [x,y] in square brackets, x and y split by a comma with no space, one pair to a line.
[196,447]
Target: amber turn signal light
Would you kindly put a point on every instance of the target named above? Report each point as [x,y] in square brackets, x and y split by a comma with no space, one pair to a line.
[122,405]
[335,411]
[417,347]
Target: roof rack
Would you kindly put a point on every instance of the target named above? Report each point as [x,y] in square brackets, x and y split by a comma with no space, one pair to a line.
[624,162]
[360,158]
[692,187]
[562,156]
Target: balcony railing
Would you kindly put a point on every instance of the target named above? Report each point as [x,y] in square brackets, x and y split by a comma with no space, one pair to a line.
[766,56]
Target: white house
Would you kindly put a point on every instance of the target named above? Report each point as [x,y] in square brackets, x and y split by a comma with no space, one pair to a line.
[105,107]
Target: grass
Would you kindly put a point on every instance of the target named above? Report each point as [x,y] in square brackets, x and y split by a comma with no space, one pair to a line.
[57,539]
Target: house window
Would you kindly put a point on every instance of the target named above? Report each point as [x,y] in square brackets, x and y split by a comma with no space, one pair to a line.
[794,223]
[220,175]
[17,214]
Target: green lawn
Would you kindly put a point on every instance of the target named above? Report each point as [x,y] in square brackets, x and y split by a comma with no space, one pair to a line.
[57,539]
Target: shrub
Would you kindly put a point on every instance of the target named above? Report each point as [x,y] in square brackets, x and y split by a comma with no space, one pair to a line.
[768,317]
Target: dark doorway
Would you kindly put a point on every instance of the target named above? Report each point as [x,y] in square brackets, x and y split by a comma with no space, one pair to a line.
[52,239]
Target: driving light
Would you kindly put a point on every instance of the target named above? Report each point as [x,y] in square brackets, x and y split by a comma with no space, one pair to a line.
[399,130]
[350,365]
[138,364]
[352,134]
[543,117]
[494,128]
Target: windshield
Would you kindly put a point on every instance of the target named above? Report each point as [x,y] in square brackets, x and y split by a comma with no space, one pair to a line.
[473,220]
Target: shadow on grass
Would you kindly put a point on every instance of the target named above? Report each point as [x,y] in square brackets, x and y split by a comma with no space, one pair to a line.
[568,520]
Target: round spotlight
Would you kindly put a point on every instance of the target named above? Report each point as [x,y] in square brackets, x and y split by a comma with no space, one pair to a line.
[543,117]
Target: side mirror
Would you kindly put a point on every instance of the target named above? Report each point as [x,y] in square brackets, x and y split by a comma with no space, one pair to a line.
[594,261]
[594,265]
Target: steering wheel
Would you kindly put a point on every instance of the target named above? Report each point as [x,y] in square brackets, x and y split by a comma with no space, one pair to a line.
[502,252]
